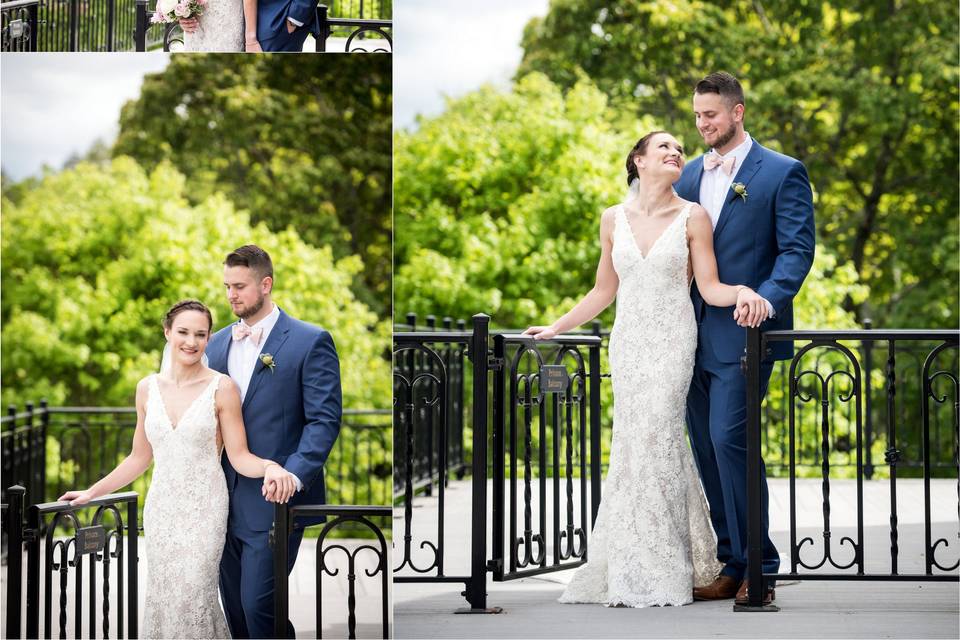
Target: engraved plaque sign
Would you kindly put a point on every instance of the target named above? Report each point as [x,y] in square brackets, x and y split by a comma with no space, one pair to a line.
[91,539]
[554,378]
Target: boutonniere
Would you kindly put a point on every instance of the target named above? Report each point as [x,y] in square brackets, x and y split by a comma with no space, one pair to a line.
[268,361]
[740,189]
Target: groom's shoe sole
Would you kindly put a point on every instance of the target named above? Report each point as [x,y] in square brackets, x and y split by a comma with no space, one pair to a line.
[722,588]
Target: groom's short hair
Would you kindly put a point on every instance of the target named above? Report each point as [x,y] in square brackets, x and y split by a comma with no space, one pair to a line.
[252,257]
[724,84]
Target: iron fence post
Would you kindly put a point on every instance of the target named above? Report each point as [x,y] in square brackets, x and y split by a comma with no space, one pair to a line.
[499,450]
[133,559]
[74,25]
[14,559]
[280,539]
[32,535]
[757,588]
[476,591]
[44,426]
[867,346]
[111,24]
[595,455]
[140,32]
[34,26]
[323,27]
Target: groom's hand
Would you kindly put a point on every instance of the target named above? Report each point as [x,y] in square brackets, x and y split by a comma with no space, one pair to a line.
[189,25]
[291,27]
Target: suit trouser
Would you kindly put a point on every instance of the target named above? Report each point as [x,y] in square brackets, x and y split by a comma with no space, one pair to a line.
[246,580]
[717,423]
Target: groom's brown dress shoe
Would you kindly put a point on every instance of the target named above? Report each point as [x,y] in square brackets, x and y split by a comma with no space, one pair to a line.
[722,588]
[743,594]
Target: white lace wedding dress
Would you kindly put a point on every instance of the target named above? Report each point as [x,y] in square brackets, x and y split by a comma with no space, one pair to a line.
[185,520]
[221,28]
[652,540]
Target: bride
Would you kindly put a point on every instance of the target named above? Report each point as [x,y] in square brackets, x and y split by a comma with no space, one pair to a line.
[225,26]
[186,416]
[652,541]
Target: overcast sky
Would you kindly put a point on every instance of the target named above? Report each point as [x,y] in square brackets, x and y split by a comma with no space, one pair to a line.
[450,48]
[53,105]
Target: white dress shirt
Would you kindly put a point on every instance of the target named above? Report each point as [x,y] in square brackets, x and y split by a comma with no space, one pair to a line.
[715,188]
[244,356]
[715,184]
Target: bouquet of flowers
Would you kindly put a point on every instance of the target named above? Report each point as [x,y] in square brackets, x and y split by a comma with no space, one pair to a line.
[173,10]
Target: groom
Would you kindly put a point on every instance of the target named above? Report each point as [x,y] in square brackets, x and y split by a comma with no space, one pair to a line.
[289,380]
[761,206]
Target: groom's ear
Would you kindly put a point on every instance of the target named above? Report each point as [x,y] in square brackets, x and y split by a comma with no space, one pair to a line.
[266,285]
[738,113]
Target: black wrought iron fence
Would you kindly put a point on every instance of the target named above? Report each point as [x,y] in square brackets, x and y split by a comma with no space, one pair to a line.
[544,439]
[359,562]
[828,373]
[58,545]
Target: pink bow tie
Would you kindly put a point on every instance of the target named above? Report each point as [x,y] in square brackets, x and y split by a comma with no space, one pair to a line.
[713,160]
[241,331]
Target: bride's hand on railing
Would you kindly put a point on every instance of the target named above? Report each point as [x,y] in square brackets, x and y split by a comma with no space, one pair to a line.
[189,25]
[540,333]
[76,498]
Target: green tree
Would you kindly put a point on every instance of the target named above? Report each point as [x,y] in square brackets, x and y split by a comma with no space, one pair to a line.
[863,92]
[294,140]
[93,256]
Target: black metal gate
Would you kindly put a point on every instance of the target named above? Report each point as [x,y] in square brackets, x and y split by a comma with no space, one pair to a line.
[536,408]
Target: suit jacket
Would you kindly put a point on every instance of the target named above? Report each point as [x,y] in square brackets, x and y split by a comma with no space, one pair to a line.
[272,17]
[766,242]
[291,414]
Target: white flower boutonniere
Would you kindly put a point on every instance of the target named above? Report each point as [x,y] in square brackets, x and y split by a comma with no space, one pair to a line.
[268,361]
[740,189]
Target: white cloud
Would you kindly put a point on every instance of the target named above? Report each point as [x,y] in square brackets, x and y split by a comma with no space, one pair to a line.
[450,48]
[57,104]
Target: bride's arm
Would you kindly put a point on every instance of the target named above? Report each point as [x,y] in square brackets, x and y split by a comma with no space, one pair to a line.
[751,308]
[252,45]
[130,468]
[598,298]
[235,443]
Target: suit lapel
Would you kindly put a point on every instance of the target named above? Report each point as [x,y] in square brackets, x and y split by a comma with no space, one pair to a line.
[688,187]
[272,346]
[731,202]
[218,358]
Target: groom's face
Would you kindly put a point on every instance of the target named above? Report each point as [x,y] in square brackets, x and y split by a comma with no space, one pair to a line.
[717,121]
[246,292]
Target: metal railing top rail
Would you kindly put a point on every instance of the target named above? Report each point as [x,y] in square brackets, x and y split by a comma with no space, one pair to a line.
[63,505]
[566,338]
[39,411]
[359,22]
[432,336]
[16,4]
[860,334]
[342,510]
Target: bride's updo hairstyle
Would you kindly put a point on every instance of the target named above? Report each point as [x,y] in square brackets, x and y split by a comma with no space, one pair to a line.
[638,150]
[186,305]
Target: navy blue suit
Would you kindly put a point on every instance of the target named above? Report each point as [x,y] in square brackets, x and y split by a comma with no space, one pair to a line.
[766,242]
[272,24]
[292,416]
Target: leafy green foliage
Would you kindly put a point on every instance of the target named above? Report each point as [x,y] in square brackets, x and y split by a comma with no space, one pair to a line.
[93,257]
[294,140]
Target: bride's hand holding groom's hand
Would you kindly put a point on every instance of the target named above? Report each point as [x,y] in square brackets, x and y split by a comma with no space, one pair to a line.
[279,484]
[751,309]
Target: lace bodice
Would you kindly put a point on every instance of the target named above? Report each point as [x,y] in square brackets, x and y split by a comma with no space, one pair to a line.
[185,519]
[653,539]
